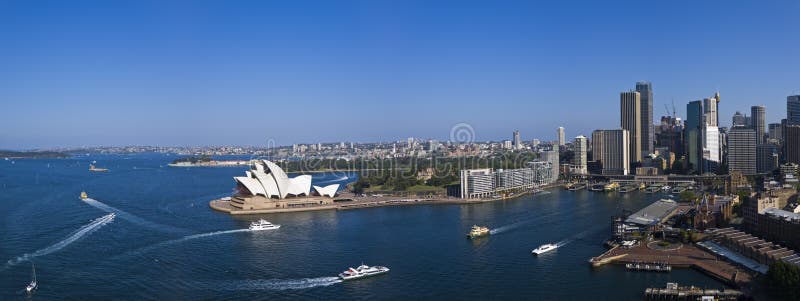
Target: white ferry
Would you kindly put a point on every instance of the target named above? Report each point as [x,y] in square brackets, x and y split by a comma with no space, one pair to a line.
[262,225]
[544,248]
[362,271]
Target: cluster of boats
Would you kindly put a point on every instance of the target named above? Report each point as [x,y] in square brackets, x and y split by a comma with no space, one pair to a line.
[477,232]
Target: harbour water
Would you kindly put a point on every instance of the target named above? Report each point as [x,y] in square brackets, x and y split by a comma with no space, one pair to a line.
[166,243]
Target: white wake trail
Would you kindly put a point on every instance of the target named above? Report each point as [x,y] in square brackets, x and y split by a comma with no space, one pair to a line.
[186,238]
[132,218]
[83,231]
[283,284]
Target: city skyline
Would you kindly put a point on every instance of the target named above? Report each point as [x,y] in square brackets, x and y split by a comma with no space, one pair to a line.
[191,73]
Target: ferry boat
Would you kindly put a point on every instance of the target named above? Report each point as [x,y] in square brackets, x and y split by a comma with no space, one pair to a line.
[95,169]
[544,248]
[477,231]
[84,195]
[262,224]
[362,271]
[34,284]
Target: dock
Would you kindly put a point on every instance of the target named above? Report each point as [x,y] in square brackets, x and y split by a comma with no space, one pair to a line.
[674,292]
[648,267]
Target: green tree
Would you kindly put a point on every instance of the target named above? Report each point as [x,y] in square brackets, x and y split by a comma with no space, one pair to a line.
[686,196]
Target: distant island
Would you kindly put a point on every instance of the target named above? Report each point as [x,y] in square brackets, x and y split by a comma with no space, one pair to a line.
[32,154]
[206,161]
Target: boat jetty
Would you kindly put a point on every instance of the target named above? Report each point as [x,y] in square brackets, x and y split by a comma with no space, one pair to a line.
[674,292]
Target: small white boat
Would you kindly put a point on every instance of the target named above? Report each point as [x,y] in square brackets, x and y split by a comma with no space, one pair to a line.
[362,271]
[262,225]
[666,188]
[544,248]
[33,285]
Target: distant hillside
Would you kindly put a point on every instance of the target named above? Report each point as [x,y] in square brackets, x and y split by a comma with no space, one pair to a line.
[32,155]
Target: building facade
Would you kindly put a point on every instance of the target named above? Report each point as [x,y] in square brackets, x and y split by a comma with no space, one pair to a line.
[614,152]
[758,122]
[579,160]
[631,120]
[742,150]
[645,90]
[562,140]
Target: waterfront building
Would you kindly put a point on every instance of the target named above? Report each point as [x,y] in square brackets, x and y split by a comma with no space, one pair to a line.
[652,215]
[767,158]
[266,186]
[613,151]
[758,123]
[742,150]
[476,183]
[579,159]
[793,109]
[552,157]
[631,120]
[645,90]
[759,249]
[562,140]
[542,172]
[791,144]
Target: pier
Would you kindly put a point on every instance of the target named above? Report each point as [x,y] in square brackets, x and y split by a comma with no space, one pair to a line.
[674,292]
[648,267]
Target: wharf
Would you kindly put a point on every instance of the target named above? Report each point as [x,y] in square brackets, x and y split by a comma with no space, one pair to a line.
[684,256]
[675,292]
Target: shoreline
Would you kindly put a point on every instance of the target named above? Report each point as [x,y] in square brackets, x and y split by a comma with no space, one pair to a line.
[223,205]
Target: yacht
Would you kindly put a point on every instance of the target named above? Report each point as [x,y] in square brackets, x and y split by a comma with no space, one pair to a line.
[362,271]
[544,248]
[262,225]
[33,285]
[96,169]
[477,231]
[666,188]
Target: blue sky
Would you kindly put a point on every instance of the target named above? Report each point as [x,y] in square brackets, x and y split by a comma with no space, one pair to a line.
[240,72]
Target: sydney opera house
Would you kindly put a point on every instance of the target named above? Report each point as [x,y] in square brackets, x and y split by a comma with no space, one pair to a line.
[266,186]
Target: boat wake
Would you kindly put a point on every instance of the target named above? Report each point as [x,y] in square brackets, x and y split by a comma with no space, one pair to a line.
[578,236]
[283,284]
[183,239]
[83,231]
[510,227]
[339,179]
[132,218]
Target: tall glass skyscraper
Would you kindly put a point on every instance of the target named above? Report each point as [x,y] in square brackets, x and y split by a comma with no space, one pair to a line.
[757,117]
[645,90]
[793,109]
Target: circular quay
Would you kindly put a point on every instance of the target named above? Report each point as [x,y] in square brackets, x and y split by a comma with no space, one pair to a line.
[400,150]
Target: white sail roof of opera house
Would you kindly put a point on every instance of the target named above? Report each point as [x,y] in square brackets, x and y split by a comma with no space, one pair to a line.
[329,190]
[268,179]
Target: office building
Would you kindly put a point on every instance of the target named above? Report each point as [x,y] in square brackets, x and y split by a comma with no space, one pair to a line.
[630,119]
[579,159]
[767,158]
[775,133]
[551,156]
[562,140]
[694,150]
[645,90]
[793,109]
[791,144]
[740,120]
[758,123]
[742,150]
[614,151]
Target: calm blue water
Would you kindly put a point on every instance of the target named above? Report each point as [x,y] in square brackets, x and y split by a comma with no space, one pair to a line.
[167,244]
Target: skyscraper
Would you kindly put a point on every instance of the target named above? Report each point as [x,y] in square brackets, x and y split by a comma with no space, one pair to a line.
[614,151]
[766,157]
[757,117]
[551,156]
[775,133]
[694,150]
[710,112]
[517,140]
[562,140]
[739,119]
[579,160]
[630,119]
[793,109]
[792,144]
[742,150]
[645,90]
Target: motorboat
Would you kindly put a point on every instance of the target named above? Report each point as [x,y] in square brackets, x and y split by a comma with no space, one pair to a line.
[544,248]
[262,224]
[362,271]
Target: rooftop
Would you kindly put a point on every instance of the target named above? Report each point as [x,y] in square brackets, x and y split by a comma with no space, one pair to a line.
[654,213]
